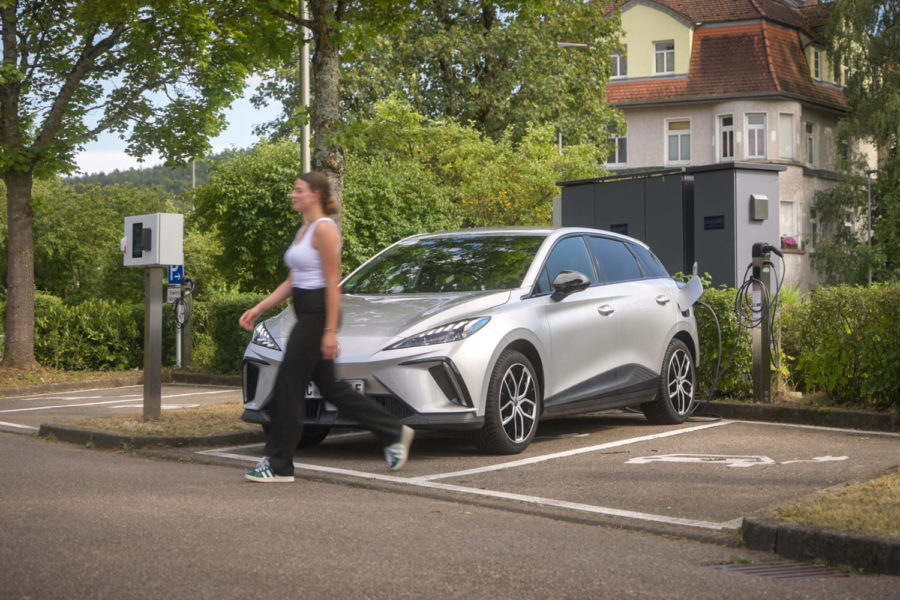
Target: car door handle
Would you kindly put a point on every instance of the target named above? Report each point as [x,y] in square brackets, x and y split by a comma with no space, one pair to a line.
[605,310]
[662,299]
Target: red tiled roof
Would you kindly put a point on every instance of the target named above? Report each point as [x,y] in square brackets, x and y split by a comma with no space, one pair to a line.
[805,18]
[734,60]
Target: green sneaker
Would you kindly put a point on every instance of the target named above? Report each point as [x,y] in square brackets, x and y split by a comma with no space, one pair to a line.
[263,473]
[397,453]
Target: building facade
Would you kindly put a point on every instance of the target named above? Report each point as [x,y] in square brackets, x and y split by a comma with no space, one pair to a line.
[709,81]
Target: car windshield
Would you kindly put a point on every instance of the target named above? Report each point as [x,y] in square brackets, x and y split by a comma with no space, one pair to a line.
[462,263]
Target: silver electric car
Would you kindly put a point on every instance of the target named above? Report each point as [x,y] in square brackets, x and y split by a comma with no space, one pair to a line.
[492,330]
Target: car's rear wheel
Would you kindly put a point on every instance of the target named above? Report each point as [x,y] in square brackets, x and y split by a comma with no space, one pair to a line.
[674,400]
[311,437]
[512,407]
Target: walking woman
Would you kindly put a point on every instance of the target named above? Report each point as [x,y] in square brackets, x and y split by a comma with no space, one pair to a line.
[314,260]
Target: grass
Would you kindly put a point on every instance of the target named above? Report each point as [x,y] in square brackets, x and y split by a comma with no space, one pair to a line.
[870,506]
[43,375]
[208,419]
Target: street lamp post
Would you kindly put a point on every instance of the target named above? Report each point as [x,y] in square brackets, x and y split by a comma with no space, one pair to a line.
[558,108]
[869,173]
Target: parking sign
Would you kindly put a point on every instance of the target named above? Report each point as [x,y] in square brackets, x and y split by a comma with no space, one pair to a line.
[176,274]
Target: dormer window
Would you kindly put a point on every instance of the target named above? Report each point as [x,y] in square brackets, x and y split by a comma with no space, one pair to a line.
[664,53]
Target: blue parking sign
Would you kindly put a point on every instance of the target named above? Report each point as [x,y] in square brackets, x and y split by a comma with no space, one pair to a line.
[176,274]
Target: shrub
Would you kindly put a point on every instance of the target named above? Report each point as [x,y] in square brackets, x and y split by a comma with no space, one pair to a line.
[219,342]
[845,341]
[735,379]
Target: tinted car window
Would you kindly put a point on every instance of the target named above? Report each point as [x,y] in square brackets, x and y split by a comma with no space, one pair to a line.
[649,263]
[616,262]
[570,254]
[448,264]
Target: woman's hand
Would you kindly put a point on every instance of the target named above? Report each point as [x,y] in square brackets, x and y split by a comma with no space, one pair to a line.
[330,346]
[249,318]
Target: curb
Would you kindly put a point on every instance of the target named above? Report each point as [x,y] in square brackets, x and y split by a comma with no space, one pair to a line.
[802,415]
[104,439]
[868,552]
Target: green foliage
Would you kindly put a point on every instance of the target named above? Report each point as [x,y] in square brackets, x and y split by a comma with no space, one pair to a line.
[219,342]
[863,39]
[846,341]
[93,335]
[495,66]
[247,204]
[736,358]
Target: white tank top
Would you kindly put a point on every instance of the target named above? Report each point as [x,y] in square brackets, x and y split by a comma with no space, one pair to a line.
[304,261]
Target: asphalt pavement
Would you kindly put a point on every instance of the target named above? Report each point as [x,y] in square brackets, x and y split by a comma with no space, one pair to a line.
[608,469]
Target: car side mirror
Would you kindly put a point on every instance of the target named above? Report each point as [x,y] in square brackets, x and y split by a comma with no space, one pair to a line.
[568,282]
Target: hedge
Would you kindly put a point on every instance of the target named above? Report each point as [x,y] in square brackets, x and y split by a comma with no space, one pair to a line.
[219,342]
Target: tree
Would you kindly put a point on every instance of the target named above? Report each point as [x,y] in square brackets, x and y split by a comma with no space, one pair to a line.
[498,66]
[157,72]
[862,36]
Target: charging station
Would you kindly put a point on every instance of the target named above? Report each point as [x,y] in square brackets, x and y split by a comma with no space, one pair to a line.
[709,214]
[153,241]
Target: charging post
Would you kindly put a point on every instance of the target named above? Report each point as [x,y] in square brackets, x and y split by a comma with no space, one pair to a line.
[154,242]
[761,348]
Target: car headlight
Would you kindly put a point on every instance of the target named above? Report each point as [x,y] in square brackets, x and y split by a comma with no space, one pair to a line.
[262,337]
[452,332]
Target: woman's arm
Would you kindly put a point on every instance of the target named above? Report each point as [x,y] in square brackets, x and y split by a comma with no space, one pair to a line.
[327,241]
[281,293]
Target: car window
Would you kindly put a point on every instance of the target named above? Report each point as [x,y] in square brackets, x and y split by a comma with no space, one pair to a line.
[614,260]
[569,254]
[649,263]
[456,263]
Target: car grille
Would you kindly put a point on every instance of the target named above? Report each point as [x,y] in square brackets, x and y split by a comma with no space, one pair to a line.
[315,408]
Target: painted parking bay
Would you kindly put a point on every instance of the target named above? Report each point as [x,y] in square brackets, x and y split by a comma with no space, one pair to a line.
[610,464]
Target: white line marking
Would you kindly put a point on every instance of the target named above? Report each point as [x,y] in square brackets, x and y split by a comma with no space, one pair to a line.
[4,423]
[52,393]
[116,401]
[709,459]
[536,500]
[816,459]
[567,453]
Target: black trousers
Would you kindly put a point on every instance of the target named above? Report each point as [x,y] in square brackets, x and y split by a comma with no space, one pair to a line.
[303,363]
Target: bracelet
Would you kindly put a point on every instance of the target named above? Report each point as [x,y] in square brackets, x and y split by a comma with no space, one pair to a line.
[330,329]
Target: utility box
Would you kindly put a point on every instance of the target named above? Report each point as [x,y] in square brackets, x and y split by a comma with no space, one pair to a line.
[711,214]
[153,240]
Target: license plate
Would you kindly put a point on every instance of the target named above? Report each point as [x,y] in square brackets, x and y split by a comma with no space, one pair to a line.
[358,384]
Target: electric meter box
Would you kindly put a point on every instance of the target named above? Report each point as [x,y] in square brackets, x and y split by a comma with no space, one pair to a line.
[153,240]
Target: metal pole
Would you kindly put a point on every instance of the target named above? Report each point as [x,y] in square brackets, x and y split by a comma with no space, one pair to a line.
[304,89]
[152,342]
[761,350]
[869,219]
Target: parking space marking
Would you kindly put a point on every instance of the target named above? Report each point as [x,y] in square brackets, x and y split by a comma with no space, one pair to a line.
[821,428]
[29,427]
[116,401]
[576,451]
[535,500]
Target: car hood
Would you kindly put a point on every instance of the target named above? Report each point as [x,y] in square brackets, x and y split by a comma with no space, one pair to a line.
[371,322]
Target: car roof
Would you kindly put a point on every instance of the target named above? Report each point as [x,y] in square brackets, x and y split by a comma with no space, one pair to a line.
[556,232]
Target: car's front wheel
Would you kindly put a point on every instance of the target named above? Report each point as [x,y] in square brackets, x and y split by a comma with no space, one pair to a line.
[512,406]
[674,400]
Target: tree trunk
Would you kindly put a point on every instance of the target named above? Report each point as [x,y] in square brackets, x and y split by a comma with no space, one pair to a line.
[19,349]
[328,156]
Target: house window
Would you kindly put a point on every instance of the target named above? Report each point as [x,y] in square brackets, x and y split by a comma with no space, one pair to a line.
[726,137]
[813,229]
[619,63]
[817,64]
[786,136]
[756,136]
[665,57]
[810,143]
[619,156]
[679,139]
[787,223]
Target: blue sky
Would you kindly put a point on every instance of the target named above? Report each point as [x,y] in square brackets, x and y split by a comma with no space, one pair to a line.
[108,153]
